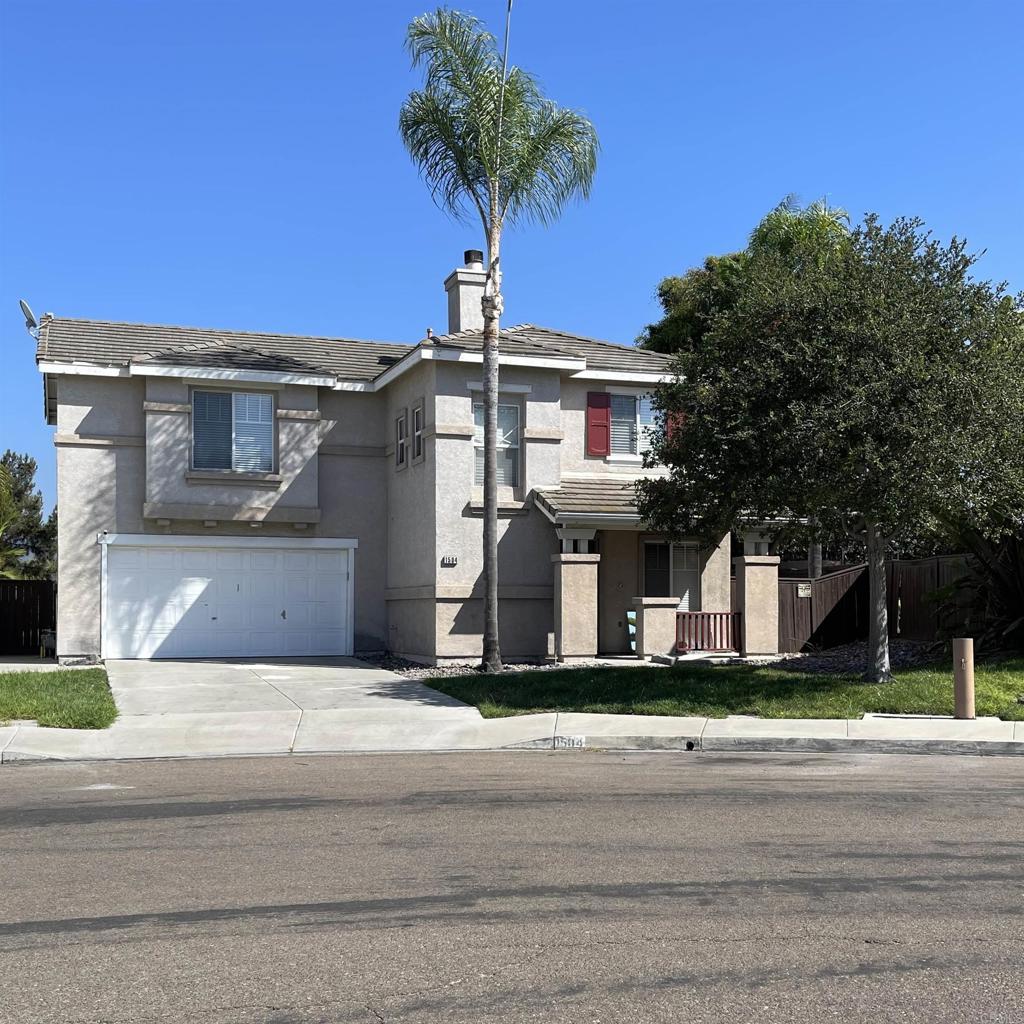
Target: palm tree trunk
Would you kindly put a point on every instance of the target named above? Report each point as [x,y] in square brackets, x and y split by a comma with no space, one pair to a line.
[878,668]
[492,303]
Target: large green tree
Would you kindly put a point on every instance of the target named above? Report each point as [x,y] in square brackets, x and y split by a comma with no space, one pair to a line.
[490,146]
[28,540]
[691,302]
[878,391]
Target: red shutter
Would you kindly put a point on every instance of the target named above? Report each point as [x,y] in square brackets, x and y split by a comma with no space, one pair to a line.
[599,423]
[675,421]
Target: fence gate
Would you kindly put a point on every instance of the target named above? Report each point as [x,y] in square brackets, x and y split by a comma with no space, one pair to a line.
[27,607]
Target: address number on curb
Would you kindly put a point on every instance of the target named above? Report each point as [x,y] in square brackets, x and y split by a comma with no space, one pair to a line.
[573,742]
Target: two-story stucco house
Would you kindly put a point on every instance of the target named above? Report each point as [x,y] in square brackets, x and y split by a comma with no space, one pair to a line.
[228,494]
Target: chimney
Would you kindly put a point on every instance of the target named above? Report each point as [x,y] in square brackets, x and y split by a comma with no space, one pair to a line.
[465,288]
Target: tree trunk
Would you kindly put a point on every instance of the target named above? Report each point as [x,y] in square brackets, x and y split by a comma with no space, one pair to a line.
[878,670]
[492,304]
[814,561]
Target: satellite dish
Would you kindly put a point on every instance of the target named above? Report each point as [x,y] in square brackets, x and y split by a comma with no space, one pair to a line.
[30,318]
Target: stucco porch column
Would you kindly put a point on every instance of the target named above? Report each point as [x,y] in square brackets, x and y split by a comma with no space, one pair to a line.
[575,600]
[757,599]
[655,625]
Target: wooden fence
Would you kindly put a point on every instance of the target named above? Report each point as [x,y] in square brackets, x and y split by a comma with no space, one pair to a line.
[915,611]
[27,607]
[833,610]
[825,612]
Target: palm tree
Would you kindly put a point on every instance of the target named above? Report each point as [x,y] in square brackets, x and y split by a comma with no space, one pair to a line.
[791,227]
[489,143]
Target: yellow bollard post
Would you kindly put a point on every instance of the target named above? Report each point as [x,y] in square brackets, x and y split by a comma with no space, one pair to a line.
[963,678]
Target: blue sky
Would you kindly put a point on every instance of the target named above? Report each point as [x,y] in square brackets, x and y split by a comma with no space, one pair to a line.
[236,164]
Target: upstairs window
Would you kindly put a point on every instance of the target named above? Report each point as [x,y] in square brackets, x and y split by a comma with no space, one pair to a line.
[233,430]
[401,440]
[632,420]
[417,432]
[508,444]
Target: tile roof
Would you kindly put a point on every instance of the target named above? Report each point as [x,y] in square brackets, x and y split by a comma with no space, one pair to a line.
[529,339]
[63,339]
[598,496]
[98,341]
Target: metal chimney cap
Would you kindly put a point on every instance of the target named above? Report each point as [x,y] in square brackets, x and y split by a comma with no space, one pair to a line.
[471,256]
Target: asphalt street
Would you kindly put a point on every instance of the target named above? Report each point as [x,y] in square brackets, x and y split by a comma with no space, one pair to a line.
[540,886]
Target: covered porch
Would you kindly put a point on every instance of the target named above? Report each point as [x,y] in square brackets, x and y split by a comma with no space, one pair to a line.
[622,589]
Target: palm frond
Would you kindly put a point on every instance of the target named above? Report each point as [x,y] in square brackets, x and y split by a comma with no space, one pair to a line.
[452,128]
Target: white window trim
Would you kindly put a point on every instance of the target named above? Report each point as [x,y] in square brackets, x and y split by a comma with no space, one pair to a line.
[672,545]
[192,430]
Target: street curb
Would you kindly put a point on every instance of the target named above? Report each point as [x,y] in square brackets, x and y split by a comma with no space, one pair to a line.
[571,731]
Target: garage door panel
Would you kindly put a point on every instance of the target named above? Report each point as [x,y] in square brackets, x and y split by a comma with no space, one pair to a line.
[331,561]
[182,601]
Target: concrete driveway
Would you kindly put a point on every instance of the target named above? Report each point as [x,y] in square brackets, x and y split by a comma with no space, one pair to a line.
[279,684]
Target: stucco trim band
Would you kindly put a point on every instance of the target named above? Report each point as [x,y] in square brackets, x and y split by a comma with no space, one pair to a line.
[231,513]
[467,592]
[298,414]
[180,407]
[106,441]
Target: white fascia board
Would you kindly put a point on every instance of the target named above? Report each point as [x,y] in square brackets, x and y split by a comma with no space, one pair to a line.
[538,362]
[547,512]
[354,385]
[83,369]
[160,540]
[215,373]
[624,376]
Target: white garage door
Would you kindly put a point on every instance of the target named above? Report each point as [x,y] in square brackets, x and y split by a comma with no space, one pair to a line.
[196,600]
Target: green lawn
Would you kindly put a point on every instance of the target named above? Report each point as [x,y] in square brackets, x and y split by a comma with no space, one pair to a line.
[715,691]
[65,698]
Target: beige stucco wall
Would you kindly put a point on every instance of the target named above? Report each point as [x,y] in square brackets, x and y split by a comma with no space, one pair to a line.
[100,479]
[106,473]
[410,514]
[575,605]
[716,576]
[352,484]
[526,539]
[169,484]
[655,626]
[757,595]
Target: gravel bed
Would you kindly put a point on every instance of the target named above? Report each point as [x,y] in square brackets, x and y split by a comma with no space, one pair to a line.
[849,658]
[413,670]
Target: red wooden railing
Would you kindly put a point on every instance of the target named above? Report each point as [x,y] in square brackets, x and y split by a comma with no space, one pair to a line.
[707,631]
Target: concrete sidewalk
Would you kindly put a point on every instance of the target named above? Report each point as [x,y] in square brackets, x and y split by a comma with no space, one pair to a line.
[335,730]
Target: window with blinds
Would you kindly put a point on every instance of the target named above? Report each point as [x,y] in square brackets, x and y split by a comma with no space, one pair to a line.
[233,430]
[673,570]
[632,420]
[508,445]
